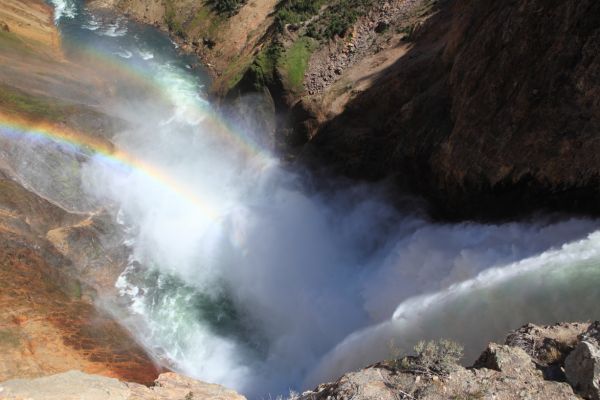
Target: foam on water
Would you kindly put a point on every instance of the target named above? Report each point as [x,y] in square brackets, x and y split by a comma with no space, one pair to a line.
[145,54]
[92,24]
[116,28]
[124,54]
[560,284]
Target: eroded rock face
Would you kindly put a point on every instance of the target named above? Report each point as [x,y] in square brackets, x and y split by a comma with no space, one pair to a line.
[76,385]
[494,111]
[48,323]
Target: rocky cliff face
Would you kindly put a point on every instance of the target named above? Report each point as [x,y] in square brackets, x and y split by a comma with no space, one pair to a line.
[48,322]
[294,63]
[53,263]
[488,109]
[493,111]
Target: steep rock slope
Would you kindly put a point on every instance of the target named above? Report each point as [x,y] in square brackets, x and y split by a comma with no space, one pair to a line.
[48,323]
[29,19]
[225,40]
[493,111]
[53,263]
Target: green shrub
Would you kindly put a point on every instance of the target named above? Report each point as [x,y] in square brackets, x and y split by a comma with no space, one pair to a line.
[228,7]
[171,19]
[265,64]
[337,18]
[432,358]
[295,61]
[296,11]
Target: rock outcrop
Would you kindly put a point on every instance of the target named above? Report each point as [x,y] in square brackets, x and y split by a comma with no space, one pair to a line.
[76,385]
[582,366]
[48,323]
[518,369]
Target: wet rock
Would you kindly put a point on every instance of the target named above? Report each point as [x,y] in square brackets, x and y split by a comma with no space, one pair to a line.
[582,368]
[592,333]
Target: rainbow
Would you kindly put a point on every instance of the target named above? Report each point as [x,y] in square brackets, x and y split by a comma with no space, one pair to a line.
[11,126]
[143,75]
[148,77]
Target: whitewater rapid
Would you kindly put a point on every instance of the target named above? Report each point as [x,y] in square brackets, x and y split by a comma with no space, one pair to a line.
[64,9]
[279,285]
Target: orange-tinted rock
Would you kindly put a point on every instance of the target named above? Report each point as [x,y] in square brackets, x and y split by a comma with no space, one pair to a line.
[46,325]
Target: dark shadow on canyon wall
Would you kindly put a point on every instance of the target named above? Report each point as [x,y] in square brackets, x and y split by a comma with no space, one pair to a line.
[493,113]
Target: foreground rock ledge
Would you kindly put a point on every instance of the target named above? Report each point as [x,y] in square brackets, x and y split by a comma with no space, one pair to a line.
[76,385]
[560,361]
[557,362]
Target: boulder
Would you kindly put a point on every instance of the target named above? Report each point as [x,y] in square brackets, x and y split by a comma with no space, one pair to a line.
[504,359]
[582,366]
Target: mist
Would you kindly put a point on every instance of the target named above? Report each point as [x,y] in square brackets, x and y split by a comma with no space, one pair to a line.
[289,285]
[242,272]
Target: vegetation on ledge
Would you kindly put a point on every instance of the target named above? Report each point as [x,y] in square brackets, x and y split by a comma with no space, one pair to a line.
[32,106]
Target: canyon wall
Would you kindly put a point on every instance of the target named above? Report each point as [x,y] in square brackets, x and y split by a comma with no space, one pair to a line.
[493,111]
[487,109]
